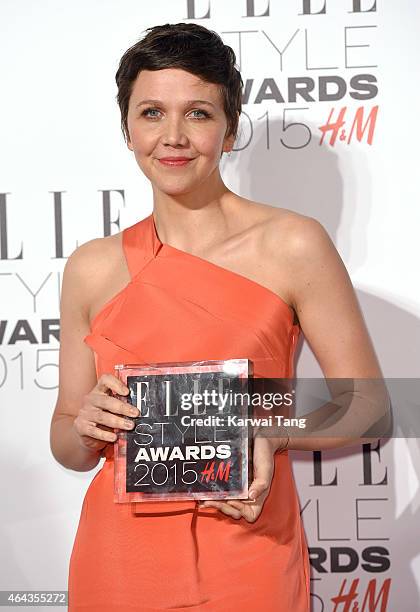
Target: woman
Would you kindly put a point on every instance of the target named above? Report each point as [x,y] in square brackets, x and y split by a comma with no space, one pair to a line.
[208,275]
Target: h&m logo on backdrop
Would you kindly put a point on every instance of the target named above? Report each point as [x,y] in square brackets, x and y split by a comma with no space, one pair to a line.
[347,52]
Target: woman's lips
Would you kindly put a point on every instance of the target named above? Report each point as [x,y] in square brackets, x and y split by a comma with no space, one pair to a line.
[175,162]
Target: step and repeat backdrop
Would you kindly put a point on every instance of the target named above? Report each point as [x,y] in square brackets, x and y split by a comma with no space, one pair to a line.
[329,129]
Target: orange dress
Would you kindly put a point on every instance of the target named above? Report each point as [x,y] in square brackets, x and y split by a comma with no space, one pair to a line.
[173,555]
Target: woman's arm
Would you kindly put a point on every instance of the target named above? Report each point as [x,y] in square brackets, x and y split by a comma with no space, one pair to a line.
[330,317]
[332,322]
[77,374]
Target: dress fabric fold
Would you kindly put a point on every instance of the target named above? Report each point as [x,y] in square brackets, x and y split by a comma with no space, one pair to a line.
[173,555]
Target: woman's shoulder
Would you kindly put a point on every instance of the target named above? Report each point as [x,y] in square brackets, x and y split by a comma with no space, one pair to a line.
[96,270]
[288,240]
[280,224]
[97,256]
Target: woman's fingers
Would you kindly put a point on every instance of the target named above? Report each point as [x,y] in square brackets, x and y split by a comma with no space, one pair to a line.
[223,507]
[259,486]
[236,508]
[101,413]
[102,417]
[249,512]
[109,382]
[112,404]
[91,431]
[94,422]
[263,465]
[250,509]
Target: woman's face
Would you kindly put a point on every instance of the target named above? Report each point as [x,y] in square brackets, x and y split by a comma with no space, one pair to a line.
[175,124]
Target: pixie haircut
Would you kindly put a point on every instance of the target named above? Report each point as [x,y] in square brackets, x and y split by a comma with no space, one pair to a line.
[191,47]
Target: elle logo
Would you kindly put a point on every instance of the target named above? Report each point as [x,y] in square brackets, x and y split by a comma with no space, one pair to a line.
[308,7]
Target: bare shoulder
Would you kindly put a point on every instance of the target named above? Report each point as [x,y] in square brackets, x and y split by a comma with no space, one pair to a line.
[319,288]
[314,268]
[93,267]
[91,256]
[295,247]
[283,230]
[290,233]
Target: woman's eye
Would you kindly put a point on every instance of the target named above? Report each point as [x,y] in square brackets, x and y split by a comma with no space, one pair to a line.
[148,110]
[202,112]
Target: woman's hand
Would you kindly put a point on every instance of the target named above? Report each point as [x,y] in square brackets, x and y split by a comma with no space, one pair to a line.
[98,418]
[263,464]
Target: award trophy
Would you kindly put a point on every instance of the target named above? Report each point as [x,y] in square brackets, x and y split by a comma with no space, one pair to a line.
[192,438]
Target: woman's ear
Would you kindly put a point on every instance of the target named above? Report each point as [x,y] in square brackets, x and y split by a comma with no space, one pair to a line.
[228,144]
[230,140]
[127,139]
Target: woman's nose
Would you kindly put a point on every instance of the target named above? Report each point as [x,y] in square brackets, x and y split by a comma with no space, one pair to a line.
[174,132]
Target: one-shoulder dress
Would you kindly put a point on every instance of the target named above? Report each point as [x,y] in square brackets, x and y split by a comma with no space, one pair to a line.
[174,555]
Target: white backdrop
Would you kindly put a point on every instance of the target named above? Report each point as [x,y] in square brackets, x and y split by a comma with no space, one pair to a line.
[64,168]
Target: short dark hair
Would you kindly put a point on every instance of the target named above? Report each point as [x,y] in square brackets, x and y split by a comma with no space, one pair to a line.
[191,47]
